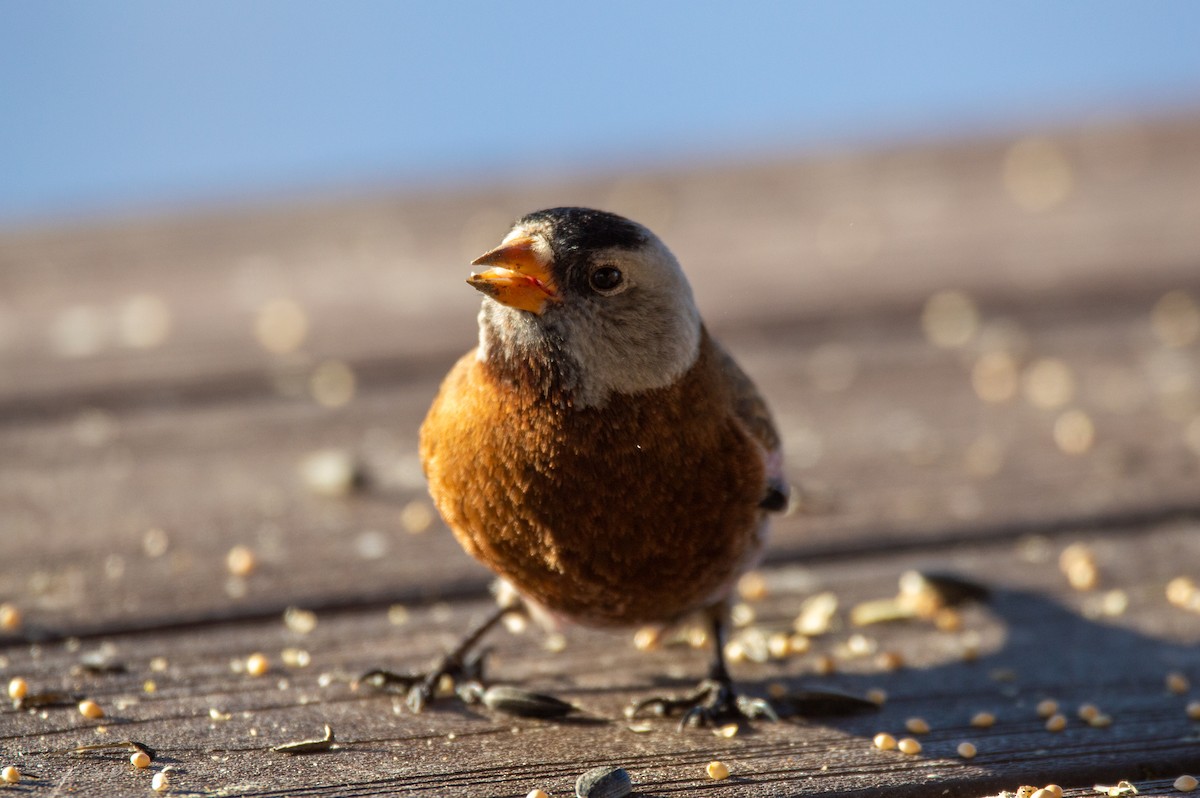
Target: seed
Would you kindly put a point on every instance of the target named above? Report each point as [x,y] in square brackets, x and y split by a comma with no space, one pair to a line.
[90,709]
[1193,710]
[604,782]
[1186,783]
[308,746]
[884,741]
[139,759]
[917,725]
[1042,793]
[299,621]
[241,561]
[966,750]
[1101,721]
[890,660]
[1088,711]
[717,770]
[1177,683]
[10,775]
[908,745]
[752,586]
[778,646]
[816,614]
[824,665]
[538,792]
[877,695]
[983,720]
[1047,708]
[1056,722]
[727,731]
[257,664]
[523,703]
[1180,591]
[18,688]
[1054,790]
[10,617]
[161,781]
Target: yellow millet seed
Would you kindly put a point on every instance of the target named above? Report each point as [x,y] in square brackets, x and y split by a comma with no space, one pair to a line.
[18,688]
[90,709]
[983,720]
[538,792]
[717,770]
[917,725]
[1053,790]
[966,750]
[140,759]
[161,781]
[10,775]
[885,742]
[1047,708]
[1177,683]
[257,664]
[908,745]
[1088,711]
[1193,710]
[1056,722]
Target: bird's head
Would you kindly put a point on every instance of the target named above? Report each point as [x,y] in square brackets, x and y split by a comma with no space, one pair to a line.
[597,297]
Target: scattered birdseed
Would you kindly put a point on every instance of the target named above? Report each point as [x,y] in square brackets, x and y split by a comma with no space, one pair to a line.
[887,610]
[159,664]
[538,792]
[1121,788]
[716,770]
[331,472]
[161,781]
[416,516]
[908,745]
[917,725]
[241,561]
[1078,564]
[257,664]
[1042,793]
[1193,710]
[1047,708]
[1180,591]
[524,703]
[816,614]
[10,617]
[877,695]
[1177,683]
[312,746]
[966,750]
[741,614]
[778,645]
[824,665]
[18,688]
[90,709]
[983,720]
[1186,783]
[1054,790]
[890,660]
[1101,721]
[647,638]
[295,657]
[604,782]
[884,741]
[799,644]
[139,759]
[752,586]
[727,731]
[1088,711]
[948,619]
[1056,722]
[10,775]
[149,686]
[299,621]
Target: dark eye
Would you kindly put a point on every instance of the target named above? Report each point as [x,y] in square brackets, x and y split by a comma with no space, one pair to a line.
[606,278]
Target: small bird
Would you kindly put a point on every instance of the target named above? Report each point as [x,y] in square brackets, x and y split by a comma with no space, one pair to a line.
[598,450]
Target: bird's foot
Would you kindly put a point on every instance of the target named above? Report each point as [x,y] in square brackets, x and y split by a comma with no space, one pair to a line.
[714,701]
[464,675]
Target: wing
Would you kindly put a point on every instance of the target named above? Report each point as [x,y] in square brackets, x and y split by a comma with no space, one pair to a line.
[752,411]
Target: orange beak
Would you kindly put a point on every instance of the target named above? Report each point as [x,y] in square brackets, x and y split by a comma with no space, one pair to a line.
[519,277]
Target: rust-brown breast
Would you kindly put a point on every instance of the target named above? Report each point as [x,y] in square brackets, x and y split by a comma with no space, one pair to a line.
[630,513]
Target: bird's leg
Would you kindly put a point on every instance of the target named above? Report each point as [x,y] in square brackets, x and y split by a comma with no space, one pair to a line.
[457,663]
[714,700]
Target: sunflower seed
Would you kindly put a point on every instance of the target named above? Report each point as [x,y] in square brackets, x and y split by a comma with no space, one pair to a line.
[604,782]
[523,703]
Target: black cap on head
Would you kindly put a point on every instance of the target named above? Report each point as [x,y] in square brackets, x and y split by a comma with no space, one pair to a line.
[587,230]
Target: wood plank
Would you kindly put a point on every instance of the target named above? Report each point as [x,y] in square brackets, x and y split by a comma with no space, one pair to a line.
[1057,643]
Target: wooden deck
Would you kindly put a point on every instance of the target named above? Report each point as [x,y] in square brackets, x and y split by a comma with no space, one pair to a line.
[145,430]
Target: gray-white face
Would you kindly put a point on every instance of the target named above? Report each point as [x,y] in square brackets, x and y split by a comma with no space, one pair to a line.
[630,331]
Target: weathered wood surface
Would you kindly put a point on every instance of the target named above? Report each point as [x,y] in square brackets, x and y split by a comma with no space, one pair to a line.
[815,273]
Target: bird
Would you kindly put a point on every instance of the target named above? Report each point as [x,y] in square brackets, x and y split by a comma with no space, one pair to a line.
[598,449]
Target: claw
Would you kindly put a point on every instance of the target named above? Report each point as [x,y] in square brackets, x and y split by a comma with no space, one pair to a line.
[713,702]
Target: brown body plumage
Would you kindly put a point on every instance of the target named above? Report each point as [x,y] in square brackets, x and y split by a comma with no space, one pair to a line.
[638,511]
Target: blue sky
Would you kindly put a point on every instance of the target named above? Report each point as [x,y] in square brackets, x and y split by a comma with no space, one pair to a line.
[147,104]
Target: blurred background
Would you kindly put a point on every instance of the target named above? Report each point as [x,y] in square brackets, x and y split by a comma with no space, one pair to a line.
[135,106]
[958,246]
